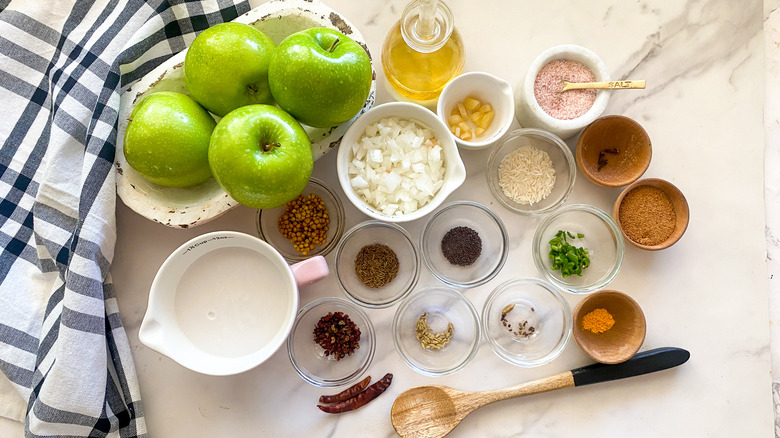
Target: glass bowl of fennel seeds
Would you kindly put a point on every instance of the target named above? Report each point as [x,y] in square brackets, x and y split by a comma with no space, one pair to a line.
[377,264]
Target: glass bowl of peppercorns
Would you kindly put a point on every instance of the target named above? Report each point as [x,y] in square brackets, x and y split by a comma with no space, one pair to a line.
[332,342]
[377,264]
[309,225]
[464,244]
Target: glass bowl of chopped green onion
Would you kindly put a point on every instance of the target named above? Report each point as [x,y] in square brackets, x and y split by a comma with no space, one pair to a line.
[464,244]
[377,264]
[531,172]
[324,362]
[527,321]
[309,225]
[578,248]
[436,331]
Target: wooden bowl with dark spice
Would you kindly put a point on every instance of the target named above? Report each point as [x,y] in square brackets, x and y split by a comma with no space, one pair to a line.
[613,151]
[609,326]
[652,214]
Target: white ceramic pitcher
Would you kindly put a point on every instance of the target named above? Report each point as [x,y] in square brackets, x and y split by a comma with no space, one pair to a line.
[224,302]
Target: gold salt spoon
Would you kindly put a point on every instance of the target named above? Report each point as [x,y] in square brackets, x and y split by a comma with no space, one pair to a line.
[433,411]
[612,85]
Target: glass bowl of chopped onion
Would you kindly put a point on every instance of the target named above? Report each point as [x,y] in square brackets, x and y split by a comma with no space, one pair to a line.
[531,172]
[322,362]
[377,264]
[398,162]
[579,248]
[436,331]
[527,321]
[309,225]
[464,244]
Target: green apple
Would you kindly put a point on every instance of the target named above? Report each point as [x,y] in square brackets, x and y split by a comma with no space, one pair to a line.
[320,76]
[261,156]
[227,67]
[167,139]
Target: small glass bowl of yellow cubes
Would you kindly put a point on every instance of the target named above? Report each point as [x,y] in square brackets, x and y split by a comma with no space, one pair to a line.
[478,108]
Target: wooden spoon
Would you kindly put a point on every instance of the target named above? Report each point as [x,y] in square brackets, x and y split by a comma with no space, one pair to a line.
[612,85]
[433,411]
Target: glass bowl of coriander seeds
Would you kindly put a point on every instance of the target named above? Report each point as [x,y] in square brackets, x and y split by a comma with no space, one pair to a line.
[531,172]
[464,244]
[377,264]
[436,331]
[309,225]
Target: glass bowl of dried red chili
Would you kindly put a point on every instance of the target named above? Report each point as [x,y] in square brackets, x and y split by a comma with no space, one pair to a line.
[436,331]
[332,342]
[464,244]
[377,264]
[317,214]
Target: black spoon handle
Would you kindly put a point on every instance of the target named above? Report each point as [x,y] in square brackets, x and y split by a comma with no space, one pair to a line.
[642,363]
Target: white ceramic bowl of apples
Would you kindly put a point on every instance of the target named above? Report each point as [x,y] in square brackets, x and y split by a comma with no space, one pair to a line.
[184,207]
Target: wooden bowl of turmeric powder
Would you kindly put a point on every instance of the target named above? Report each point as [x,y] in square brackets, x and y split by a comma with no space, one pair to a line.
[652,214]
[609,326]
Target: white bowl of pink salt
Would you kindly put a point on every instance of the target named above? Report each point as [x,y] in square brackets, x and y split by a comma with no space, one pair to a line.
[540,101]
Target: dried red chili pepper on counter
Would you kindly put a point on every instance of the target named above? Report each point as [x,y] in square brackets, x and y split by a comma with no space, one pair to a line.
[361,399]
[348,393]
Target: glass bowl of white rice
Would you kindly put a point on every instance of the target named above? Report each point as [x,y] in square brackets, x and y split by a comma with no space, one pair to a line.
[398,162]
[531,171]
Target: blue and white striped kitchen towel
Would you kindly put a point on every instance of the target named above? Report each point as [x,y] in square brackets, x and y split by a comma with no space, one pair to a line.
[66,363]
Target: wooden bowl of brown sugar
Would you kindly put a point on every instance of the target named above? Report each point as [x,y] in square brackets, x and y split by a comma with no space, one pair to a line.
[652,214]
[613,151]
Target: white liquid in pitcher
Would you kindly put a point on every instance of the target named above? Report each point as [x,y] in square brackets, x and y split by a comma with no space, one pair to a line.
[232,301]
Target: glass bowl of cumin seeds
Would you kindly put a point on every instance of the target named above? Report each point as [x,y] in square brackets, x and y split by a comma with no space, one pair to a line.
[377,264]
[464,244]
[436,331]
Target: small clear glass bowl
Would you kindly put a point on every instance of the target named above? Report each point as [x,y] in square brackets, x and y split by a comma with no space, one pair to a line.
[535,330]
[442,305]
[309,359]
[371,232]
[602,238]
[493,234]
[562,161]
[268,230]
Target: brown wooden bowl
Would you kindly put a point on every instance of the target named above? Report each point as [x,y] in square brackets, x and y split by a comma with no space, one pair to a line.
[623,339]
[613,151]
[679,204]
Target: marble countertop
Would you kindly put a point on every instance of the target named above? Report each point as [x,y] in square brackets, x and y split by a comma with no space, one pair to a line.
[704,111]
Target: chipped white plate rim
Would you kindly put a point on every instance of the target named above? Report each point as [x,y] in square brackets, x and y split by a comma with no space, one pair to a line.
[191,206]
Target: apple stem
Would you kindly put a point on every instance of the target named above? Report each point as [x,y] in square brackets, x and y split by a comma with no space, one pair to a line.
[333,46]
[252,88]
[268,147]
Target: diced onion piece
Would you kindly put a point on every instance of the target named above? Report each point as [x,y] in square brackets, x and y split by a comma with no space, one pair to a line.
[455,119]
[479,131]
[485,108]
[475,117]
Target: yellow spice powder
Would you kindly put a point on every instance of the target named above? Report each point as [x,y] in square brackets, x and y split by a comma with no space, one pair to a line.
[598,321]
